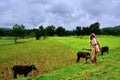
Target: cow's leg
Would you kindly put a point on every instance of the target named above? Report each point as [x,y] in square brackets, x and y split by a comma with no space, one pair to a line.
[102,53]
[25,75]
[78,58]
[15,75]
[86,58]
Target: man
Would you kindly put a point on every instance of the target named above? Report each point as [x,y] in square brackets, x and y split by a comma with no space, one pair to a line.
[95,47]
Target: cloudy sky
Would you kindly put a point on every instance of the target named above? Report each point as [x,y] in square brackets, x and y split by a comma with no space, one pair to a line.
[66,13]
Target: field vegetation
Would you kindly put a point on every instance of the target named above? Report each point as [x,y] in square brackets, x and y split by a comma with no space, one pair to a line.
[55,58]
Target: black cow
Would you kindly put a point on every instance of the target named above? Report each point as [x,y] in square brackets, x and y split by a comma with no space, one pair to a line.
[22,70]
[104,49]
[82,55]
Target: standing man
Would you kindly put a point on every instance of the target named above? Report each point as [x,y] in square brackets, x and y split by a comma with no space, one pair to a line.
[95,47]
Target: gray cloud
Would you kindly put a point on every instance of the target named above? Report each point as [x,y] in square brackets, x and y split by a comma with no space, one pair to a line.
[66,13]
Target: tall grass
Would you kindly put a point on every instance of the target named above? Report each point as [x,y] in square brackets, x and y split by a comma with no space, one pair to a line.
[47,55]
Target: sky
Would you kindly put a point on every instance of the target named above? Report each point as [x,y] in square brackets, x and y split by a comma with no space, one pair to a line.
[66,13]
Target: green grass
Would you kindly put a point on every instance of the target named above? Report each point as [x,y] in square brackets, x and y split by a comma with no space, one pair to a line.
[46,54]
[78,43]
[105,69]
[55,59]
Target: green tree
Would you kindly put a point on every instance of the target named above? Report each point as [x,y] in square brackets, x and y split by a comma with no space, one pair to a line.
[37,34]
[111,30]
[50,30]
[85,31]
[116,30]
[69,32]
[94,28]
[18,30]
[106,31]
[60,31]
[78,31]
[2,32]
[42,31]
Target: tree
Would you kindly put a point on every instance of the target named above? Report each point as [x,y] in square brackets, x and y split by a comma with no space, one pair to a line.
[111,30]
[94,28]
[2,32]
[78,31]
[50,30]
[37,34]
[18,30]
[86,31]
[116,30]
[42,31]
[60,31]
[69,32]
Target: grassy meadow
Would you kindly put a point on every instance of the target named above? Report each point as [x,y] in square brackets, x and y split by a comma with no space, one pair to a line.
[55,58]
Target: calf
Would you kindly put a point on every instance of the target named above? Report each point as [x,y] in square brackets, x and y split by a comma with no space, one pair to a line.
[82,55]
[104,49]
[22,70]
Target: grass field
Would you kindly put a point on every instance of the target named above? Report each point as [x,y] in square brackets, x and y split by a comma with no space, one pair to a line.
[55,58]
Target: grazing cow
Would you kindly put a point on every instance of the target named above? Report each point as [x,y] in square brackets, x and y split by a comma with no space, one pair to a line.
[82,55]
[104,49]
[22,70]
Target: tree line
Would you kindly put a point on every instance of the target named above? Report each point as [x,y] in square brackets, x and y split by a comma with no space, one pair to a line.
[21,31]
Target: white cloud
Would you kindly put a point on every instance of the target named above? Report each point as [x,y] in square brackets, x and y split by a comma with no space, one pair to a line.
[66,13]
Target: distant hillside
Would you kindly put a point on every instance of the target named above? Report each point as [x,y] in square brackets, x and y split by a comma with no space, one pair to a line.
[111,30]
[5,28]
[117,27]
